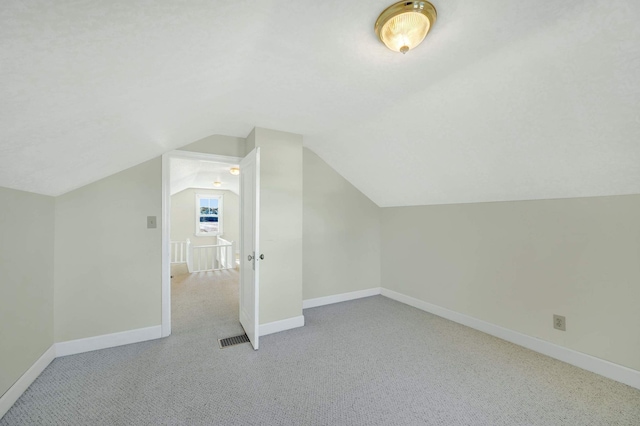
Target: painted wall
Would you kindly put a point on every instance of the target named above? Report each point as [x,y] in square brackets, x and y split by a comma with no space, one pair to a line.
[218,144]
[515,264]
[341,233]
[183,216]
[280,223]
[26,283]
[107,263]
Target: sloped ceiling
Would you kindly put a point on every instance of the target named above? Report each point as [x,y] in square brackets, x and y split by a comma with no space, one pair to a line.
[187,173]
[505,100]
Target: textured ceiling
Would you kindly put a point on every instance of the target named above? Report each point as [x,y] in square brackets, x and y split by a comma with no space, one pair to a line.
[504,100]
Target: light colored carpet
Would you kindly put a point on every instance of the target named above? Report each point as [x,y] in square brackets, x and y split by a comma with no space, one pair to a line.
[371,361]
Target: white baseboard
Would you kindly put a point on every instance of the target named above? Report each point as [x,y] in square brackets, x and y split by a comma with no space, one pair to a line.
[72,347]
[282,325]
[327,300]
[14,392]
[599,366]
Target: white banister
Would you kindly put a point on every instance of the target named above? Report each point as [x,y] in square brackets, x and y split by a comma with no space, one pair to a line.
[210,257]
[226,254]
[189,256]
[178,251]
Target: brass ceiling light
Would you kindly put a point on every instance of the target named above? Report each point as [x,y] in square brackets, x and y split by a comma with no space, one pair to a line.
[217,183]
[403,25]
[234,171]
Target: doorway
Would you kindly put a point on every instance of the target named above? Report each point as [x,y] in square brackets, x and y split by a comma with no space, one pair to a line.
[200,239]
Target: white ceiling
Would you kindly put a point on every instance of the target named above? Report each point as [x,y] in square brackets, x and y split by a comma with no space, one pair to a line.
[504,100]
[186,173]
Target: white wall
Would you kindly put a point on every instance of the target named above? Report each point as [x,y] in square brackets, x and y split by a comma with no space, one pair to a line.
[341,233]
[219,145]
[515,264]
[107,263]
[183,216]
[280,223]
[26,283]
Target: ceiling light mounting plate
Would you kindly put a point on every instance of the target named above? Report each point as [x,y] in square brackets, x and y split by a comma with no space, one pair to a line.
[403,25]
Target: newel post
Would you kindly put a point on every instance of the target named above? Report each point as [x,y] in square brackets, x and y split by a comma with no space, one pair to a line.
[189,255]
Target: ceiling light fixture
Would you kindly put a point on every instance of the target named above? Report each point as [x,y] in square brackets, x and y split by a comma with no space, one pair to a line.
[234,171]
[403,25]
[216,183]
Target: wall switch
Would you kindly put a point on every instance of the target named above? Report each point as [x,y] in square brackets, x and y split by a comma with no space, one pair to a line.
[559,323]
[151,222]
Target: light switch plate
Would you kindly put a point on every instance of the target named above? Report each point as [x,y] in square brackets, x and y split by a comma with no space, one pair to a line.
[151,222]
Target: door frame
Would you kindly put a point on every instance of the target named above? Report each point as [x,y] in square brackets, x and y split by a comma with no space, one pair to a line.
[166,223]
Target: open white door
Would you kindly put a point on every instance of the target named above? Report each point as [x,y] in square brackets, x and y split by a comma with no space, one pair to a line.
[250,244]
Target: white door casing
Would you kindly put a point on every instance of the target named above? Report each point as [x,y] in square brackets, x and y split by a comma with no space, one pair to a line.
[250,244]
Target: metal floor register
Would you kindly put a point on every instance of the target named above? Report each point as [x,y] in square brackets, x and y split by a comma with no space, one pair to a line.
[235,340]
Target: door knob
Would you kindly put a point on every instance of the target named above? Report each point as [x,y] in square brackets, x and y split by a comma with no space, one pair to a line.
[249,258]
[262,257]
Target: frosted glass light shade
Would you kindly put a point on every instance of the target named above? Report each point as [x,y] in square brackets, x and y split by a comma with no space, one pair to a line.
[403,25]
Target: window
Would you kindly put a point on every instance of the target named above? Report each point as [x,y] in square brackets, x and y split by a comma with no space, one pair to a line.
[208,215]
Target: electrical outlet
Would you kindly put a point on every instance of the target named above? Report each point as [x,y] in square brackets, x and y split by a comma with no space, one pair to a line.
[559,323]
[151,222]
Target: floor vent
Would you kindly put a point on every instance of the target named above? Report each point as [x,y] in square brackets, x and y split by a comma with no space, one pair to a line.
[235,340]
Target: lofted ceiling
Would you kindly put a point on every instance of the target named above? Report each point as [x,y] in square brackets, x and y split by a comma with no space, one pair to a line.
[505,100]
[188,173]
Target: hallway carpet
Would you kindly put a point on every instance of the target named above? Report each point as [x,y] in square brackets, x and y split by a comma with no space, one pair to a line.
[371,361]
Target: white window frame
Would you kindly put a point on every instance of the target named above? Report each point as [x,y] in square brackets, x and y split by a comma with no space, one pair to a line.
[220,215]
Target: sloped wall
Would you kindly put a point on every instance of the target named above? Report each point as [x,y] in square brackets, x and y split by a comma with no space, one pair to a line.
[218,144]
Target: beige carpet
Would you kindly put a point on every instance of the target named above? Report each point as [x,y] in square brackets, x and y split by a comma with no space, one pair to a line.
[205,300]
[372,361]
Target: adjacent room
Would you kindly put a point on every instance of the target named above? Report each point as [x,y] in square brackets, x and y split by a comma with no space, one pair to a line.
[398,213]
[205,236]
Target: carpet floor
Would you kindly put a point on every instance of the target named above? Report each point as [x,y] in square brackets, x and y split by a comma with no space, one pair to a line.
[371,361]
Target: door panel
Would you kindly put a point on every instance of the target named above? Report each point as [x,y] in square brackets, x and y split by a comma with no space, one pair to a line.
[250,244]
